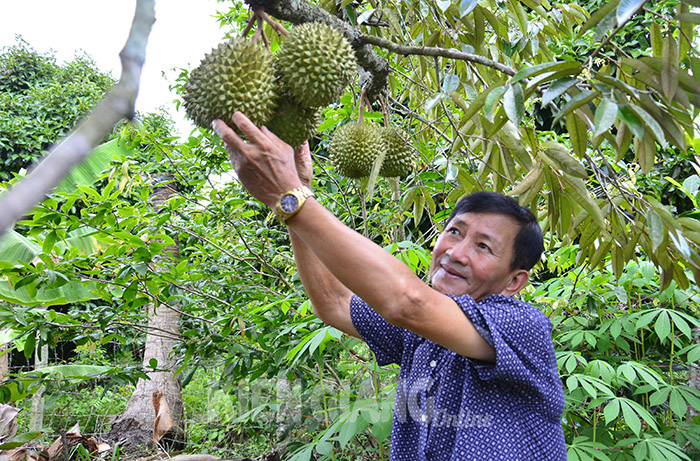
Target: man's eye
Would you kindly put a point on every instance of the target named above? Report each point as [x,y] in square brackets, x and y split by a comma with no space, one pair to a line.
[484,246]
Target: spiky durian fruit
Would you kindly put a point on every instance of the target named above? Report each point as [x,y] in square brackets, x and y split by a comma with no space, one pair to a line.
[237,75]
[354,148]
[316,63]
[400,155]
[292,123]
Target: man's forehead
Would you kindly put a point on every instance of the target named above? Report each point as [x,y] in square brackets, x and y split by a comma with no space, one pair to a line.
[496,226]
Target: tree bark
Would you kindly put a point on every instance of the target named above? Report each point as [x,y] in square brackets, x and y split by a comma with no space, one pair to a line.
[134,430]
[36,419]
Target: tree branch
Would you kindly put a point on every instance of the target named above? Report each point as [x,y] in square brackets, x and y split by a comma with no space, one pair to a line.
[79,143]
[451,53]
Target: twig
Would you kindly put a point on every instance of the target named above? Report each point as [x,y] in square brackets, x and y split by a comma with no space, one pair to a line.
[451,53]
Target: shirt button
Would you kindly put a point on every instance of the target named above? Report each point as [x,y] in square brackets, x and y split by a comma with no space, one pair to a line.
[424,418]
[433,363]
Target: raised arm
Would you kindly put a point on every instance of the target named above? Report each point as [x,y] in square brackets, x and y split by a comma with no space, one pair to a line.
[266,167]
[330,298]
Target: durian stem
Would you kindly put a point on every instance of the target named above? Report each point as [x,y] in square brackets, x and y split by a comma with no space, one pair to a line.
[259,32]
[386,116]
[279,28]
[363,200]
[249,26]
[400,234]
[361,109]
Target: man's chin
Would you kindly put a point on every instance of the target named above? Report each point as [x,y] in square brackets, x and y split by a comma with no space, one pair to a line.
[454,287]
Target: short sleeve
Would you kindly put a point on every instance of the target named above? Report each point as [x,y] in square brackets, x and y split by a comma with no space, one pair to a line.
[521,336]
[385,340]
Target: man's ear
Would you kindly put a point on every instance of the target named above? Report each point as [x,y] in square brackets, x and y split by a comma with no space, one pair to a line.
[519,279]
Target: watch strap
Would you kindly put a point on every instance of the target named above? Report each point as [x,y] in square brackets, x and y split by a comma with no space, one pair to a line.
[301,194]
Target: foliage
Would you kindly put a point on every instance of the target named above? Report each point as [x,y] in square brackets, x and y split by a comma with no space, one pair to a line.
[41,101]
[585,112]
[623,349]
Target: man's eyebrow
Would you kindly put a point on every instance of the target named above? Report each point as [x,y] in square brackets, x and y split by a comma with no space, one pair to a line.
[491,238]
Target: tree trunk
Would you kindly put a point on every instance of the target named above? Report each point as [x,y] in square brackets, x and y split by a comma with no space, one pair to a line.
[36,418]
[4,362]
[138,429]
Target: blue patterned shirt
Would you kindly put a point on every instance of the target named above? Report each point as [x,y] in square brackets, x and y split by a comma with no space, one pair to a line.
[450,407]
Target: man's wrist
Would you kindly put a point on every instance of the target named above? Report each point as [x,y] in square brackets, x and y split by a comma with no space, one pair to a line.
[291,202]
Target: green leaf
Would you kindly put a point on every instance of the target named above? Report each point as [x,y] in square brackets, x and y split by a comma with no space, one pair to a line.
[73,371]
[693,18]
[631,119]
[563,161]
[656,228]
[574,103]
[29,345]
[669,67]
[627,8]
[605,116]
[19,440]
[598,16]
[650,123]
[611,411]
[450,83]
[557,88]
[542,68]
[663,325]
[433,101]
[659,397]
[492,100]
[466,7]
[678,404]
[49,241]
[17,249]
[631,416]
[514,103]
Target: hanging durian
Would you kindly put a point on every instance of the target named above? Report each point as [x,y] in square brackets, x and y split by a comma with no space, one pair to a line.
[354,148]
[400,155]
[237,75]
[316,63]
[292,123]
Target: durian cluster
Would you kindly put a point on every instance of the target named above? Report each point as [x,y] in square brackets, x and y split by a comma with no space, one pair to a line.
[355,147]
[286,91]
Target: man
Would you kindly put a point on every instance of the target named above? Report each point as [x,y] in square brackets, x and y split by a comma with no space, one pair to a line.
[478,376]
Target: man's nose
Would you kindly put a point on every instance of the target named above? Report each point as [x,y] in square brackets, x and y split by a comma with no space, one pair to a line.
[459,252]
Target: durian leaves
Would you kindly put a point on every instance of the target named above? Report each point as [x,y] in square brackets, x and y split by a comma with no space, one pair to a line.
[595,110]
[627,8]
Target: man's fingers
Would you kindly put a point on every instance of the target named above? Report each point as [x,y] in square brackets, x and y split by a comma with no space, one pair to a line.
[270,134]
[303,151]
[249,129]
[228,135]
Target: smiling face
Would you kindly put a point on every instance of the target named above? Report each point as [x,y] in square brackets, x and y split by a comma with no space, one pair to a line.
[473,256]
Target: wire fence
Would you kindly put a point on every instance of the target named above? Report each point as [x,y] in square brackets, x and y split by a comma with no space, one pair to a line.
[243,421]
[246,420]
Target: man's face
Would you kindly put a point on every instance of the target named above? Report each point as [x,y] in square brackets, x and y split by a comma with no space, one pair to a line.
[472,256]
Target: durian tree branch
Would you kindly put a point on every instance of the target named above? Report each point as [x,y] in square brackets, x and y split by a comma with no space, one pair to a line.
[451,53]
[77,145]
[301,11]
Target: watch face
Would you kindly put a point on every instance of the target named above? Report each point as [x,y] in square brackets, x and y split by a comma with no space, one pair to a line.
[289,203]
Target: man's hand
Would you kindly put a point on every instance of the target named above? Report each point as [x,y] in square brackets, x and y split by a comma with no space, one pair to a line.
[265,165]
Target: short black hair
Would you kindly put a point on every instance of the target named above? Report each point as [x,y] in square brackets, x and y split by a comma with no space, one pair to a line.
[528,245]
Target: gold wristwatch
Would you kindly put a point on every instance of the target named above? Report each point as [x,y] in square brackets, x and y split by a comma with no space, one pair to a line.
[291,202]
